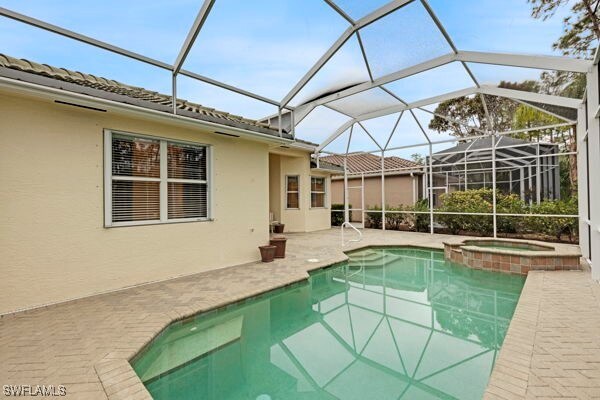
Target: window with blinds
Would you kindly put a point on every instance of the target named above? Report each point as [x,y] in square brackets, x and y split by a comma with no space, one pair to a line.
[154,180]
[292,189]
[317,192]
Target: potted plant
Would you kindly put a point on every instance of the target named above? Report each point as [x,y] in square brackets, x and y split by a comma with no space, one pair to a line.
[279,243]
[278,228]
[267,253]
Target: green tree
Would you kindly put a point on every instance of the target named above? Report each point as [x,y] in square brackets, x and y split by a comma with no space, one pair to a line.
[527,117]
[581,32]
[418,158]
[470,112]
[581,27]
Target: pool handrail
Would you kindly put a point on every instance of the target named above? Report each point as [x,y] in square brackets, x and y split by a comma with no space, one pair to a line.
[355,229]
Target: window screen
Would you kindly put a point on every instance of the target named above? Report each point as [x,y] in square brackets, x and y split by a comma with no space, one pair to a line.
[293,191]
[317,192]
[139,187]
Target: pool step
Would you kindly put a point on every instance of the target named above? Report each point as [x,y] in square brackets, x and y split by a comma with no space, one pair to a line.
[197,342]
[374,262]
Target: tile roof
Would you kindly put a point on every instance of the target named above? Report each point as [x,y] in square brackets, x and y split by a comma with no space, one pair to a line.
[366,162]
[113,90]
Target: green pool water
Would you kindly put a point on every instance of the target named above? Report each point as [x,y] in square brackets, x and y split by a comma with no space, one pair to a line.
[388,324]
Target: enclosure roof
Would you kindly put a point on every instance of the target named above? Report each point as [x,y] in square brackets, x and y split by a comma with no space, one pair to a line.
[485,143]
[365,162]
[110,89]
[356,61]
[510,153]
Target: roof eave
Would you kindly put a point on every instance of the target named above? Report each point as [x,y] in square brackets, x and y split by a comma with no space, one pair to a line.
[40,86]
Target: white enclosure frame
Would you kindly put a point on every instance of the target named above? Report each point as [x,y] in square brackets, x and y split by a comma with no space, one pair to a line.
[288,116]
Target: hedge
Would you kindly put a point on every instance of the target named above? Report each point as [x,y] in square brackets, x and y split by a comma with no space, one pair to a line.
[337,217]
[394,220]
[481,201]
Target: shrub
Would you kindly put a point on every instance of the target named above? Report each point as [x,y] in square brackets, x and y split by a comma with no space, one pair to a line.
[337,217]
[468,201]
[481,201]
[510,204]
[418,222]
[373,218]
[554,226]
[393,220]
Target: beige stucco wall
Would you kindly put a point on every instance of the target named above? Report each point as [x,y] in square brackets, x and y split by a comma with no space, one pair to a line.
[275,197]
[52,241]
[305,218]
[398,190]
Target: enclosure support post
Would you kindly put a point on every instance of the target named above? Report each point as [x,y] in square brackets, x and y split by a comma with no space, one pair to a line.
[383,189]
[280,129]
[446,181]
[593,145]
[346,208]
[583,189]
[466,173]
[174,92]
[530,184]
[544,169]
[362,198]
[522,182]
[556,176]
[293,123]
[424,183]
[414,188]
[430,189]
[538,183]
[494,185]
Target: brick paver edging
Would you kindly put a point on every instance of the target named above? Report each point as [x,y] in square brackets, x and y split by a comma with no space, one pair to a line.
[552,347]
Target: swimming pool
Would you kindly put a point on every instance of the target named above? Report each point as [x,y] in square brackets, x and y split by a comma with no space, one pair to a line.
[390,323]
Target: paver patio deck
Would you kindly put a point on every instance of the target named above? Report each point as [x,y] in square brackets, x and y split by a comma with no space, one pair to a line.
[552,348]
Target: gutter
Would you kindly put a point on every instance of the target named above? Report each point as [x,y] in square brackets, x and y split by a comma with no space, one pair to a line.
[330,171]
[378,175]
[51,93]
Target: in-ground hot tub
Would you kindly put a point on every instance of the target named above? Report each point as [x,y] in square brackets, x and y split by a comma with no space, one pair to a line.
[512,256]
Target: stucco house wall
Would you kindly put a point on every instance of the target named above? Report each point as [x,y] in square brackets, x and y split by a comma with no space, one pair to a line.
[304,218]
[53,241]
[399,189]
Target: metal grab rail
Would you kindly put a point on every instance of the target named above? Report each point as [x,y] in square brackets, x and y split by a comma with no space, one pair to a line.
[356,230]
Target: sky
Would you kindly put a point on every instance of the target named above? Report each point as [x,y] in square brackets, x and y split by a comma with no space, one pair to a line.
[266,46]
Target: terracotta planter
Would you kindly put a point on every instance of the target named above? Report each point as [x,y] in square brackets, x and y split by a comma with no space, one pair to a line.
[267,253]
[279,243]
[278,228]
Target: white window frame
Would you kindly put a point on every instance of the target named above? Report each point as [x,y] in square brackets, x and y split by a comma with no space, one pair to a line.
[164,180]
[325,191]
[293,191]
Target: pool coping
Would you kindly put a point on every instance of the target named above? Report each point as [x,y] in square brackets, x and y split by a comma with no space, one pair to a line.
[120,381]
[537,253]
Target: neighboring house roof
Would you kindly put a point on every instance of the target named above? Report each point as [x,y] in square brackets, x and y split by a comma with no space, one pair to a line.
[109,89]
[370,163]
